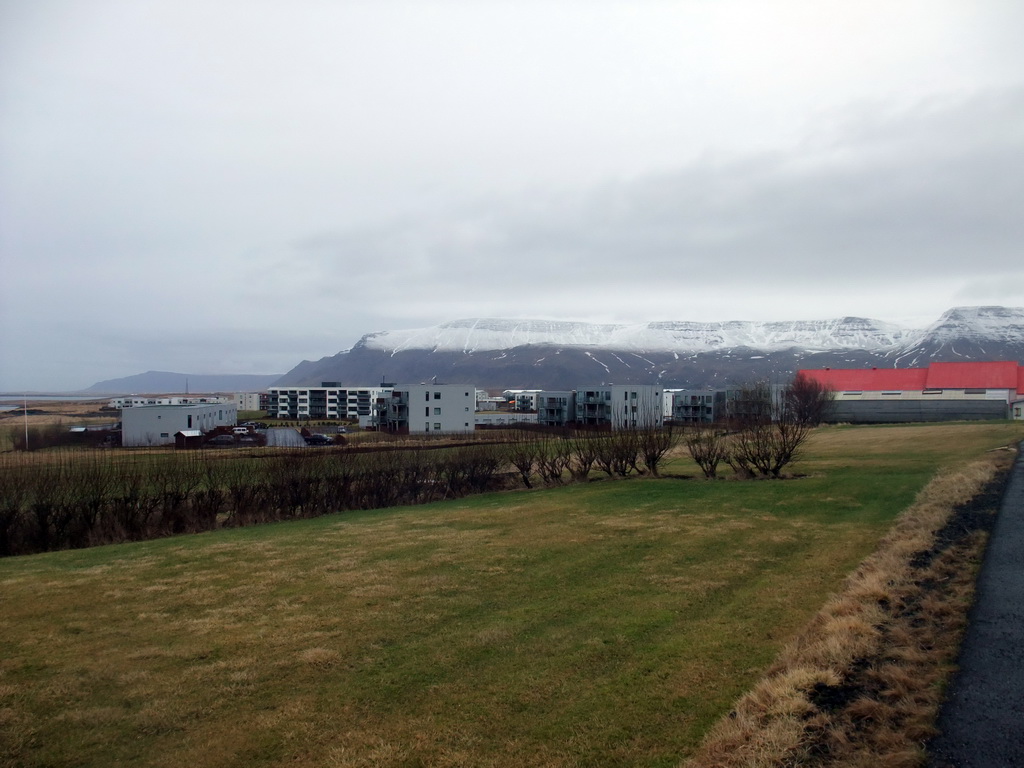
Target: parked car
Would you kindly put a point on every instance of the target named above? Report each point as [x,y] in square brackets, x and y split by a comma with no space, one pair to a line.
[221,440]
[319,440]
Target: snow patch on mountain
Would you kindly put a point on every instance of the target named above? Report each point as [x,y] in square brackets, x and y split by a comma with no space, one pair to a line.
[1004,324]
[491,334]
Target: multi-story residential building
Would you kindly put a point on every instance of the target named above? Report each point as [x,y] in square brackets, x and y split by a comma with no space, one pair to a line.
[157,424]
[555,408]
[620,406]
[521,399]
[430,408]
[247,401]
[698,406]
[328,401]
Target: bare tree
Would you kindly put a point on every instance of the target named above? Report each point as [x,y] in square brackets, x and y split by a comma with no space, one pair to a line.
[655,443]
[708,447]
[769,431]
[582,453]
[522,453]
[809,400]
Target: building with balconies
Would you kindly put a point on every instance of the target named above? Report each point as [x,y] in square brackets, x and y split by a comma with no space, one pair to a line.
[328,401]
[430,408]
[620,406]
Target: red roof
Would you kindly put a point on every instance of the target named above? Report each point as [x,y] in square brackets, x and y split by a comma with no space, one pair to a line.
[869,379]
[988,375]
[996,375]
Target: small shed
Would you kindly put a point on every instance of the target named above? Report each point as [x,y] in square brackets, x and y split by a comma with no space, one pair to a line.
[188,438]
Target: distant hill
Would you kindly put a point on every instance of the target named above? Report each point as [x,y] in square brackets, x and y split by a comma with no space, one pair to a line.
[158,382]
[500,353]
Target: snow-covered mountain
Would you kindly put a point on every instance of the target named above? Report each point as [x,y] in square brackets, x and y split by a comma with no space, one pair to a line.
[496,352]
[683,337]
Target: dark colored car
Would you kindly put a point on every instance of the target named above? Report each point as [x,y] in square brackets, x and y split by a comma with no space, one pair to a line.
[221,440]
[319,440]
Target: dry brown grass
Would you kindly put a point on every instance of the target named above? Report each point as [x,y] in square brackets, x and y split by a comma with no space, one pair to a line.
[862,684]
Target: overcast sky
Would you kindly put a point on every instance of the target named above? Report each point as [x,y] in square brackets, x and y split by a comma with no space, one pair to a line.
[233,186]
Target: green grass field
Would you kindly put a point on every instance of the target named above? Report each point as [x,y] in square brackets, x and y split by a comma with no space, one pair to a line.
[602,624]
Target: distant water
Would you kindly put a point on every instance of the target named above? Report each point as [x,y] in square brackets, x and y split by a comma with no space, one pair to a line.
[6,399]
[10,402]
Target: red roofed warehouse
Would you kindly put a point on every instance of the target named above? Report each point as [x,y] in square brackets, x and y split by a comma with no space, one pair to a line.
[940,392]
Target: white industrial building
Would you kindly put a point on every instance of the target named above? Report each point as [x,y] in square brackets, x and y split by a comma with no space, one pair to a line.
[134,401]
[143,425]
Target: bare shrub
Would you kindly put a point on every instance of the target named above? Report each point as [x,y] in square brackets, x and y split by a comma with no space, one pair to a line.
[522,451]
[768,431]
[708,447]
[653,445]
[582,449]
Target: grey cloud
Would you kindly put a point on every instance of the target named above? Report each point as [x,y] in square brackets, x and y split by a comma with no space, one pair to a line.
[885,200]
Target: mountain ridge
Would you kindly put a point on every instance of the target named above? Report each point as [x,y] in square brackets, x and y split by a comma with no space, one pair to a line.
[152,382]
[497,352]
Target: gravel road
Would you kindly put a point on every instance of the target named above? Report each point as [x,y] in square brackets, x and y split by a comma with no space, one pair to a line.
[982,722]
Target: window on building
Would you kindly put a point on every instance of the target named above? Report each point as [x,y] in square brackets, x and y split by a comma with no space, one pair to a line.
[437,411]
[437,395]
[164,434]
[426,411]
[437,427]
[428,396]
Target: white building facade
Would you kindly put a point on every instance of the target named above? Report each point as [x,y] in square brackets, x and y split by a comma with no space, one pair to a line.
[620,406]
[143,425]
[246,401]
[133,401]
[328,401]
[431,409]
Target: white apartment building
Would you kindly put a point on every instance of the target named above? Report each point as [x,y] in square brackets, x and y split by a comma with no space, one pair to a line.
[555,408]
[328,401]
[620,406]
[246,401]
[431,408]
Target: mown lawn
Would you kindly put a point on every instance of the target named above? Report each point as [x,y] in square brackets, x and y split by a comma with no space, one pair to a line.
[594,625]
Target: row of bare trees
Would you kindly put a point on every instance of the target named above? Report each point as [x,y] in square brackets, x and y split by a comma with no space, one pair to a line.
[556,458]
[764,429]
[76,498]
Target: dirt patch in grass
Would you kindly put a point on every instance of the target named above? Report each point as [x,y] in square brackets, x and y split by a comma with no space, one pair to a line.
[862,685]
